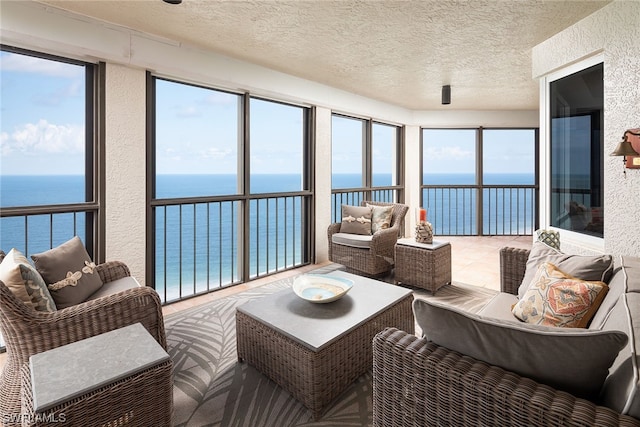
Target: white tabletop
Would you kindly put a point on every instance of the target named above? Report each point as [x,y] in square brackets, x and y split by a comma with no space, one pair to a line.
[317,325]
[411,241]
[66,372]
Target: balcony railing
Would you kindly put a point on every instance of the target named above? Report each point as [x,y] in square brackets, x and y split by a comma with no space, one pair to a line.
[354,196]
[490,210]
[202,244]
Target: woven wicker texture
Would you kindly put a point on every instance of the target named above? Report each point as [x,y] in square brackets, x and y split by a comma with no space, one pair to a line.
[418,383]
[316,378]
[513,263]
[28,332]
[549,238]
[141,400]
[379,258]
[423,268]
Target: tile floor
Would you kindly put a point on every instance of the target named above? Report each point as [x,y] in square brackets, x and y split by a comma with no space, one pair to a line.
[474,260]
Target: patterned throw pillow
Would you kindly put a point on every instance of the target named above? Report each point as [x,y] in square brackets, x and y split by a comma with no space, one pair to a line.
[356,220]
[24,281]
[69,273]
[556,298]
[380,217]
[37,289]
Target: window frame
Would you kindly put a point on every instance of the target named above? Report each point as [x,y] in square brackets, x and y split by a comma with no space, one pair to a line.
[588,242]
[94,173]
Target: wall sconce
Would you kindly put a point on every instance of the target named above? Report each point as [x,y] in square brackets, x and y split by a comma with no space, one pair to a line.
[446,95]
[626,149]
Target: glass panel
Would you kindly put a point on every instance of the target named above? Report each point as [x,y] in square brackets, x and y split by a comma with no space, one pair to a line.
[347,143]
[384,156]
[577,152]
[277,141]
[448,156]
[508,156]
[43,131]
[197,137]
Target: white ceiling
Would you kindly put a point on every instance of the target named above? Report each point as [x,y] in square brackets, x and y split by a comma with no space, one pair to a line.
[399,52]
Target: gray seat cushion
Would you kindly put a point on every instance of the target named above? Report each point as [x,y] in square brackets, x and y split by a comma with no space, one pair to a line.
[499,307]
[353,240]
[114,287]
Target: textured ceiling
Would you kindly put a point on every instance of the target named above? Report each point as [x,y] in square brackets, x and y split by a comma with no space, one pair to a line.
[399,52]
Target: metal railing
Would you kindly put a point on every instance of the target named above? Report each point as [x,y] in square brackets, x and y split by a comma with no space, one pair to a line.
[488,210]
[209,243]
[354,196]
[35,229]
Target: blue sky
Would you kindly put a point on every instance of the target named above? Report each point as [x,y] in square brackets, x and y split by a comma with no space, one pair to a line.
[42,131]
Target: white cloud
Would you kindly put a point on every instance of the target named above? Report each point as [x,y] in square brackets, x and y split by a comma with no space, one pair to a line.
[216,153]
[43,138]
[30,64]
[447,153]
[189,112]
[221,98]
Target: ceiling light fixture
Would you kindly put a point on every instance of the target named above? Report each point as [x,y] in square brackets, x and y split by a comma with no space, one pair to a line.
[172,1]
[446,95]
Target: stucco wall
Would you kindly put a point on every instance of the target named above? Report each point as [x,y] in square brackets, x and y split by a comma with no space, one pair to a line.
[125,167]
[614,32]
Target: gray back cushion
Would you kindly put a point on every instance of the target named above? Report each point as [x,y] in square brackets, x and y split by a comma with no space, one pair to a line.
[598,267]
[569,359]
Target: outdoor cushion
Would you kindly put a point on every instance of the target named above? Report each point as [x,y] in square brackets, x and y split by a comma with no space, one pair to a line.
[10,275]
[625,268]
[353,240]
[499,307]
[621,390]
[559,299]
[356,220]
[21,277]
[110,288]
[380,217]
[69,273]
[585,267]
[569,359]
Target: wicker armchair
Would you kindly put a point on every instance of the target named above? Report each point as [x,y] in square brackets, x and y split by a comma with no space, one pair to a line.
[378,258]
[27,332]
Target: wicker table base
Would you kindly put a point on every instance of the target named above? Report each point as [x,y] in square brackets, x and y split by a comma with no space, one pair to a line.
[317,375]
[426,266]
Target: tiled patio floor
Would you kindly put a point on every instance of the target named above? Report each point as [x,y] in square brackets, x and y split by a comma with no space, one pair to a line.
[474,261]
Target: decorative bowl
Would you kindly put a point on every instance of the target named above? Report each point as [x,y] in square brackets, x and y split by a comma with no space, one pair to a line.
[321,288]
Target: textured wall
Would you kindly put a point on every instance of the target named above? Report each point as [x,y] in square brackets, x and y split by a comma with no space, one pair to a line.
[615,32]
[125,167]
[323,182]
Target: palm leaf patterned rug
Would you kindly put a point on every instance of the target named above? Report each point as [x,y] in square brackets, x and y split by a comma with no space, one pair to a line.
[212,389]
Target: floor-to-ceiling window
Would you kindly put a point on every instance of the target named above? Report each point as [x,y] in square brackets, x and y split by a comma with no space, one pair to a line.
[480,181]
[49,182]
[576,152]
[366,162]
[231,193]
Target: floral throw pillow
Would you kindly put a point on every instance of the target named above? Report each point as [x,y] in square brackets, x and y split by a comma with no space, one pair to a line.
[380,217]
[556,298]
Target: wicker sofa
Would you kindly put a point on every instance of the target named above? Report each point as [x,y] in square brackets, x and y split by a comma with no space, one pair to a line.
[417,382]
[120,302]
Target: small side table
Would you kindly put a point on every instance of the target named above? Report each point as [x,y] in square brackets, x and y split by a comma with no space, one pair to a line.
[122,377]
[426,266]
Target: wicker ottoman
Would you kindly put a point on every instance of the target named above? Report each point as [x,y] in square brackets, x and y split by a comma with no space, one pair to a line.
[426,266]
[315,351]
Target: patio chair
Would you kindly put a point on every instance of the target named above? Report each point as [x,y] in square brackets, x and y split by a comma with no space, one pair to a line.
[27,331]
[369,255]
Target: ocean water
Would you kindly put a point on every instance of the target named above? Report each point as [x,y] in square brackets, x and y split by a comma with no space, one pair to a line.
[197,244]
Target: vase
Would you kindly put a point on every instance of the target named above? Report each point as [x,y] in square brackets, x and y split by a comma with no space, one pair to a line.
[424,232]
